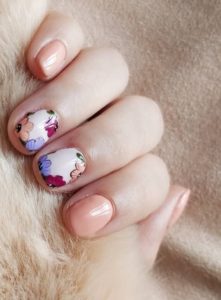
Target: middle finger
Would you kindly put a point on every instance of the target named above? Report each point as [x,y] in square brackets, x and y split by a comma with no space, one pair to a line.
[128,129]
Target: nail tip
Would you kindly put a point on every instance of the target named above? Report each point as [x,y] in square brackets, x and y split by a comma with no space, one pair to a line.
[180,206]
[185,196]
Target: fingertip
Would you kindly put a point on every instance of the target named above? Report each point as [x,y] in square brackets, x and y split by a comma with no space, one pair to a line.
[56,43]
[184,195]
[154,228]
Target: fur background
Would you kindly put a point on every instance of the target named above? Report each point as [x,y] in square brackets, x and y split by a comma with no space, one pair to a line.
[173,48]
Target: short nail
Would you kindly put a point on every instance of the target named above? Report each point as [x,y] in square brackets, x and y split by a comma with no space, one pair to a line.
[86,217]
[35,129]
[154,228]
[61,167]
[51,57]
[179,208]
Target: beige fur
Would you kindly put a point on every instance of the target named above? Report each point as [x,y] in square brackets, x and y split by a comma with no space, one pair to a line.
[38,259]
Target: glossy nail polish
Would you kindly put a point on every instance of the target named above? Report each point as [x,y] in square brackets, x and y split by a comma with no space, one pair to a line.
[61,167]
[51,57]
[179,208]
[36,128]
[89,215]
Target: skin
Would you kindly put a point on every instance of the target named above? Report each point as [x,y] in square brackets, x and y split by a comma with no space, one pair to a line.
[122,178]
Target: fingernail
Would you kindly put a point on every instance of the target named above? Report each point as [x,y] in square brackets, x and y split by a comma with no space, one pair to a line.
[51,57]
[86,217]
[154,228]
[179,208]
[61,167]
[35,129]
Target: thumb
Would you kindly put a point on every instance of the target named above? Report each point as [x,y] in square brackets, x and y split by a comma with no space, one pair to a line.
[153,229]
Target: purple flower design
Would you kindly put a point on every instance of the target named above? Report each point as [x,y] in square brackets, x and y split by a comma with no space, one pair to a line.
[34,144]
[44,165]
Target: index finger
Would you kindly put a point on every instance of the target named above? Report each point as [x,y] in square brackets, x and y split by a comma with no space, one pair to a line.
[57,42]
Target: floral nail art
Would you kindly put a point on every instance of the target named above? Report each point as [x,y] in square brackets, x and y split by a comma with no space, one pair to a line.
[36,128]
[61,167]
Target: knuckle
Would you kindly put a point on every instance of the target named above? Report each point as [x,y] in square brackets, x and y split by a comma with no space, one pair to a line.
[150,183]
[159,177]
[155,115]
[149,118]
[146,108]
[158,164]
[111,68]
[116,59]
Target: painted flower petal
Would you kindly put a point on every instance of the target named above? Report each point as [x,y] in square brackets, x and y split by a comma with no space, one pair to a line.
[51,129]
[44,165]
[43,158]
[47,163]
[80,167]
[24,121]
[78,171]
[55,181]
[24,135]
[29,126]
[35,144]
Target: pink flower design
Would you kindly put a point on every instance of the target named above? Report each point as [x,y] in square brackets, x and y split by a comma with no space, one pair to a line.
[79,169]
[23,129]
[54,181]
[51,128]
[51,124]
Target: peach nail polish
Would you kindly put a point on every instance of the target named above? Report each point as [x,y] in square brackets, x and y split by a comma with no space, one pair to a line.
[89,215]
[51,57]
[180,206]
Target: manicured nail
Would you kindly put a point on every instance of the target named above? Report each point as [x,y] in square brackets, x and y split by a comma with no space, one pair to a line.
[86,217]
[154,228]
[61,167]
[35,129]
[179,208]
[51,57]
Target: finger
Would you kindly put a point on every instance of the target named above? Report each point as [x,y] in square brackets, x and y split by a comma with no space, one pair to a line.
[94,79]
[58,40]
[119,199]
[153,229]
[128,129]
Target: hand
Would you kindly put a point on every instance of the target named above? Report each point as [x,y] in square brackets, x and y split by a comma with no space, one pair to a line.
[90,140]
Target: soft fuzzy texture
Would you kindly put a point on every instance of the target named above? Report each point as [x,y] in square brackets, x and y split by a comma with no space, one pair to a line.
[173,49]
[38,258]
